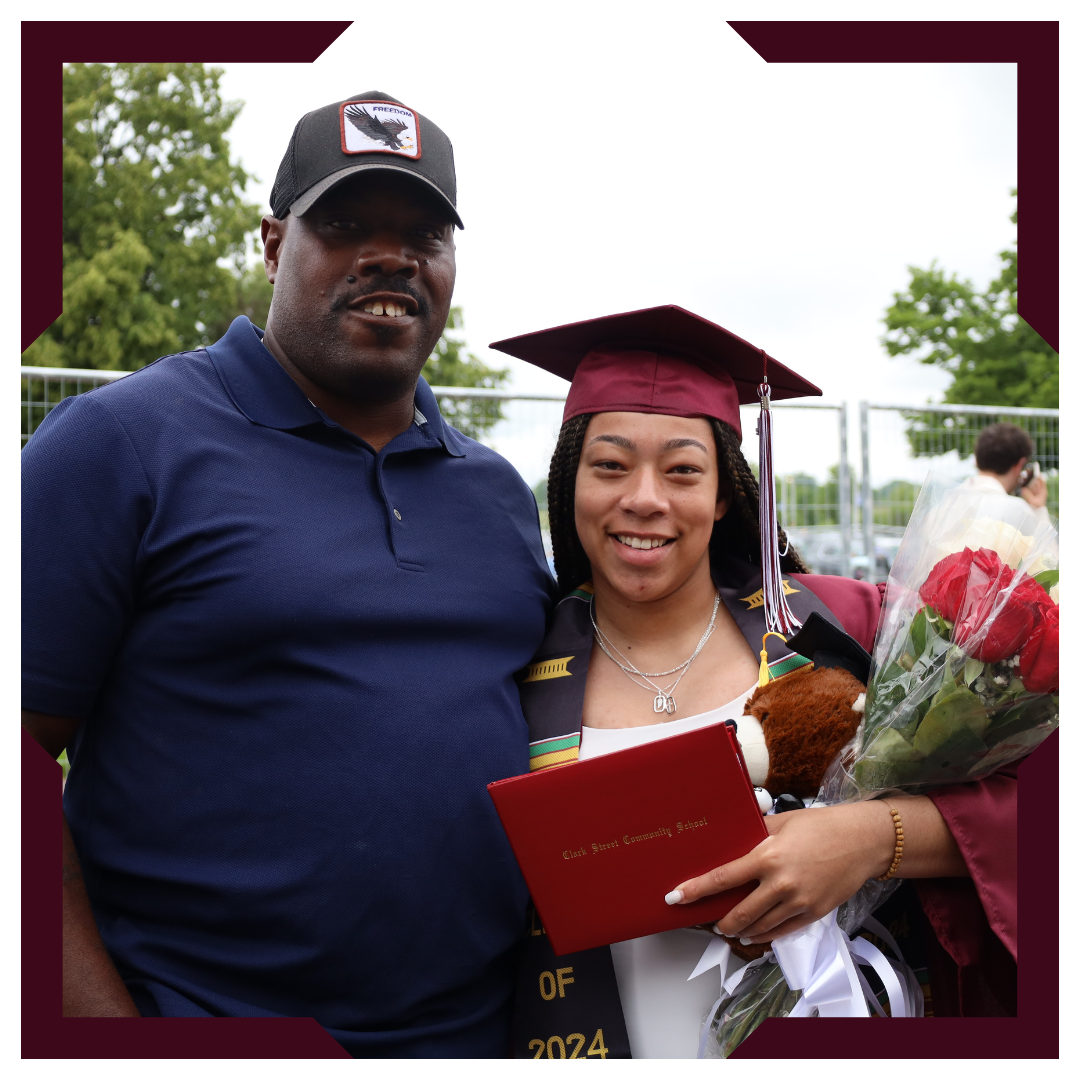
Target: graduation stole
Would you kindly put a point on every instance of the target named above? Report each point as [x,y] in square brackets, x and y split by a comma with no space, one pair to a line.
[568,1006]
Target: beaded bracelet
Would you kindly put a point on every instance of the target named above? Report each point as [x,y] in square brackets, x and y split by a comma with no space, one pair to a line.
[898,850]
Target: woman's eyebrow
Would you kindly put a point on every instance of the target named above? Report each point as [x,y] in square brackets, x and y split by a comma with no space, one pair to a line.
[682,444]
[618,440]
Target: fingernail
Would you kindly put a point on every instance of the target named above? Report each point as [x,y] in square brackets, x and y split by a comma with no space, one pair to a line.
[674,897]
[745,941]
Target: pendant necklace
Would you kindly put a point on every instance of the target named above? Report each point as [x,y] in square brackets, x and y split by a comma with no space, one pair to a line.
[664,701]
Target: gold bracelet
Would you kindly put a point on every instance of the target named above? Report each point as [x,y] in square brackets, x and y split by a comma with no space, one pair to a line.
[898,849]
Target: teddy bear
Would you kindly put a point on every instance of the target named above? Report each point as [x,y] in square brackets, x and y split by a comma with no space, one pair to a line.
[795,725]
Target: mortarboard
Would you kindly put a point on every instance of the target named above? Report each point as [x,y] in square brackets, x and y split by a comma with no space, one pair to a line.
[669,360]
[829,647]
[658,360]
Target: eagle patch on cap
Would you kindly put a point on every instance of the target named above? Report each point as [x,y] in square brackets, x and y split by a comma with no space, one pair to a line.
[381,127]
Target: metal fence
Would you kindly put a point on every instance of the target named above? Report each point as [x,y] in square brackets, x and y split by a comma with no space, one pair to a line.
[901,443]
[839,526]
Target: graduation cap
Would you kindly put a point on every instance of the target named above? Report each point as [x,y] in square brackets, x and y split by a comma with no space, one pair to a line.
[829,647]
[657,360]
[669,360]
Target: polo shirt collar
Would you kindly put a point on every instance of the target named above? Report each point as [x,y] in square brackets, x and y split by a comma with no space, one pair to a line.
[267,395]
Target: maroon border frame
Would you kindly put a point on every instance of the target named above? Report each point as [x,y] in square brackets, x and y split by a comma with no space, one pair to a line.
[1033,46]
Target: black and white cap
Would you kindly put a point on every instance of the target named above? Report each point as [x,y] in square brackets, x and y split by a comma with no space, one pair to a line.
[365,131]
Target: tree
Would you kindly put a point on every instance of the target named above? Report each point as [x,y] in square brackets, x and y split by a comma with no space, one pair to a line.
[451,365]
[156,229]
[995,358]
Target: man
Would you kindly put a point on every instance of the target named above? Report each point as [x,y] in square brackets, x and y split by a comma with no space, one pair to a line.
[1002,452]
[273,608]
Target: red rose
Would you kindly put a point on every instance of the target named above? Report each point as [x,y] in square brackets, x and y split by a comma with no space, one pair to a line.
[1039,656]
[947,584]
[981,631]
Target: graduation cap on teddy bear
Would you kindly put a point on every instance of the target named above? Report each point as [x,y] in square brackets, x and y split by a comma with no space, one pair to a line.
[829,647]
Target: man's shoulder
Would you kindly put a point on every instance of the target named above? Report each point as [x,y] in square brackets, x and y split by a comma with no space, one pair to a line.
[157,384]
[484,460]
[149,398]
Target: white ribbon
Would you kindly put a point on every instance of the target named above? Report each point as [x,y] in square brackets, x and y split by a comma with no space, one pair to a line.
[819,961]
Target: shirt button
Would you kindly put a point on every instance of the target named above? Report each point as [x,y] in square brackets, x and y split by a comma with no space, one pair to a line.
[397,513]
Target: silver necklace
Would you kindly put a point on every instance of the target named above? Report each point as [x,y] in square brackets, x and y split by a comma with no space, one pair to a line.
[664,701]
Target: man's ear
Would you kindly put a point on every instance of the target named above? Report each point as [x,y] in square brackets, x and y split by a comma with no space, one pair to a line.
[273,235]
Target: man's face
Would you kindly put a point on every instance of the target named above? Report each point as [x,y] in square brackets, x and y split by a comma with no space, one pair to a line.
[396,243]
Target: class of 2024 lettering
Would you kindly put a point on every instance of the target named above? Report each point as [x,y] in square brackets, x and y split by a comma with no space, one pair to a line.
[575,1042]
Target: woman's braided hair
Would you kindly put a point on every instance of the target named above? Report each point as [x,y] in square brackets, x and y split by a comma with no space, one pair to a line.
[736,533]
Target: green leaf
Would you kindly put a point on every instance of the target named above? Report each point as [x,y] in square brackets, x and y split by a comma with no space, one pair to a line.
[1047,579]
[948,717]
[890,745]
[918,632]
[972,670]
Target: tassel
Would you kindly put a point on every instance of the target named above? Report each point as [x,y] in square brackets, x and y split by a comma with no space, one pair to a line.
[778,616]
[763,671]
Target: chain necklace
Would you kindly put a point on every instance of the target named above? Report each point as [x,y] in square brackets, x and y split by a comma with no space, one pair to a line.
[664,701]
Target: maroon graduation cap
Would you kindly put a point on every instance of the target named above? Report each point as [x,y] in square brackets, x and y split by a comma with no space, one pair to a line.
[657,360]
[669,360]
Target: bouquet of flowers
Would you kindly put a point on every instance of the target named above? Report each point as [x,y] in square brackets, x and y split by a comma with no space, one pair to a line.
[964,680]
[965,675]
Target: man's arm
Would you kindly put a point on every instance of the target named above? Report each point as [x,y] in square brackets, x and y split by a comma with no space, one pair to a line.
[92,985]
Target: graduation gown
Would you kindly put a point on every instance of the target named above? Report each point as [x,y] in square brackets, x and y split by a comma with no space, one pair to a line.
[972,922]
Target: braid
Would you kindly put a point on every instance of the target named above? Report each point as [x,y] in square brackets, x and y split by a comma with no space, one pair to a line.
[571,565]
[736,533]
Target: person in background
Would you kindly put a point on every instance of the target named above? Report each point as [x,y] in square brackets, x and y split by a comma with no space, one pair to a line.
[1002,454]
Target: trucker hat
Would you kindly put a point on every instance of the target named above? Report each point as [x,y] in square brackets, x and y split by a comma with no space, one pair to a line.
[369,131]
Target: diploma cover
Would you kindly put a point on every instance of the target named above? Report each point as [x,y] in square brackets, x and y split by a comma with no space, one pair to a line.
[600,842]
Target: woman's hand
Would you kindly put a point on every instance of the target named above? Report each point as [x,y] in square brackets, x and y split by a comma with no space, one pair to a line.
[814,860]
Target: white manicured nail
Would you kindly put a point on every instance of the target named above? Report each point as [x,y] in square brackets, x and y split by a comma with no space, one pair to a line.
[745,941]
[674,897]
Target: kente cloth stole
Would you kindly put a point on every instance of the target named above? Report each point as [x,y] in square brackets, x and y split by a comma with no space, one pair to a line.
[568,1006]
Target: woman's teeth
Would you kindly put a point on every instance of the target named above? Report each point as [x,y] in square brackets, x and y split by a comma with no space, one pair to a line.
[638,542]
[377,307]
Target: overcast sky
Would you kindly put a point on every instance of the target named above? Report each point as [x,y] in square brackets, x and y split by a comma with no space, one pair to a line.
[606,165]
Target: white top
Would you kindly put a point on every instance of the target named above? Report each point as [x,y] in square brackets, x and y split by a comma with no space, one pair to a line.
[990,486]
[663,1011]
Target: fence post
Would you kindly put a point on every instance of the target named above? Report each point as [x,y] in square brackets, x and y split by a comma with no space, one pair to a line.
[844,497]
[867,491]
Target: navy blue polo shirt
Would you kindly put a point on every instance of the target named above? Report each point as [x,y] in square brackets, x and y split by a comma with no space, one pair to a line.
[293,659]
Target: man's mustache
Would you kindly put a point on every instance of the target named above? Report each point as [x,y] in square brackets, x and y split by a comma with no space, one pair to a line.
[382,285]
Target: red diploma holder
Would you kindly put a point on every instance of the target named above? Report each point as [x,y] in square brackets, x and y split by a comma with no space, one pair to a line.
[601,842]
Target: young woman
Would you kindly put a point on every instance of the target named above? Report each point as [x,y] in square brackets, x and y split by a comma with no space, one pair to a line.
[654,525]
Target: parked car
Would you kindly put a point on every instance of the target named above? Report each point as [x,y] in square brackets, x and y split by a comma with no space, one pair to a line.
[823,553]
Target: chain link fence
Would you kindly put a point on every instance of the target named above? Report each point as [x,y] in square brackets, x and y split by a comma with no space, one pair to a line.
[840,524]
[902,443]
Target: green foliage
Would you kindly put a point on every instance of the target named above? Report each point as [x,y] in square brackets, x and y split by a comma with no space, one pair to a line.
[155,227]
[540,494]
[451,365]
[994,357]
[806,503]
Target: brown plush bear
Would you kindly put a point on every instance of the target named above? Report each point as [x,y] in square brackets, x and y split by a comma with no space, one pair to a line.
[806,717]
[793,727]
